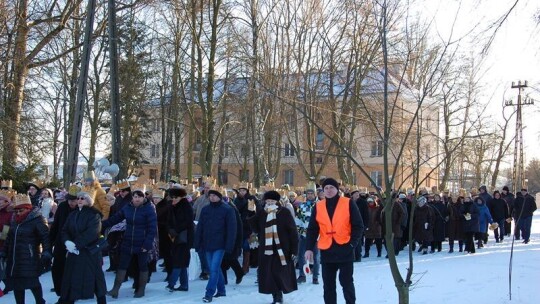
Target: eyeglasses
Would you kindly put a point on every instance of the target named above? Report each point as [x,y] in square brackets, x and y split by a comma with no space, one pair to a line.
[81,198]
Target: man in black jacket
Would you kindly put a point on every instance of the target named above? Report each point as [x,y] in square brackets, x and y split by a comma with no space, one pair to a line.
[524,207]
[337,240]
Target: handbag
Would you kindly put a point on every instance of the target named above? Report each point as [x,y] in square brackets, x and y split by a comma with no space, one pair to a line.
[98,246]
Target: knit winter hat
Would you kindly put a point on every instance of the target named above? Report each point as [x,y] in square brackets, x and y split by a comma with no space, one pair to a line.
[330,181]
[271,195]
[216,193]
[505,188]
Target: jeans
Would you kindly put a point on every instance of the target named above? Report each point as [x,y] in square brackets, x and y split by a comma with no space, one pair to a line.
[524,226]
[216,280]
[329,274]
[175,274]
[499,232]
[302,260]
[204,262]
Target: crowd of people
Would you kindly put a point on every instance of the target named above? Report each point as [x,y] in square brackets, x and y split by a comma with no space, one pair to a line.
[319,230]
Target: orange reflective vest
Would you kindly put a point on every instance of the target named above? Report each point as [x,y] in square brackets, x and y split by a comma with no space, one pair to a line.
[339,228]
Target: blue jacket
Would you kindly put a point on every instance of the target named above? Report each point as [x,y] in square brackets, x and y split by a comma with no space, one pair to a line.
[141,226]
[216,228]
[484,217]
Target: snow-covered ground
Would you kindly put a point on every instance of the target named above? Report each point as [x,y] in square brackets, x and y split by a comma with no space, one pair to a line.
[439,278]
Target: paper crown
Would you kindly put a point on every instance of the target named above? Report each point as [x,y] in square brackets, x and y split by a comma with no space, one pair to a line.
[310,186]
[138,186]
[209,180]
[269,186]
[38,184]
[160,186]
[74,189]
[7,183]
[158,190]
[462,193]
[113,188]
[245,185]
[123,184]
[89,175]
[9,194]
[21,199]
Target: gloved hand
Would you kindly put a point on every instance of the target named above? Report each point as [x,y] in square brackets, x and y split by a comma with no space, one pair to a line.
[509,220]
[70,247]
[467,216]
[45,259]
[426,225]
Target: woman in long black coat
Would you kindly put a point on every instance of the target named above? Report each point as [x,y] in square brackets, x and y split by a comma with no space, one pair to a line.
[230,260]
[83,276]
[276,274]
[26,249]
[423,221]
[441,217]
[454,226]
[181,231]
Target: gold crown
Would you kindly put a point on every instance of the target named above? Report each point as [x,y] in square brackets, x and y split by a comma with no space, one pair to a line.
[269,186]
[157,190]
[160,186]
[311,186]
[122,184]
[209,180]
[22,199]
[7,183]
[138,186]
[9,194]
[74,189]
[38,183]
[462,193]
[113,188]
[245,185]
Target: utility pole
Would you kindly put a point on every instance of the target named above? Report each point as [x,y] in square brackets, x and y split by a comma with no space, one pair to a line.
[518,170]
[75,141]
[115,91]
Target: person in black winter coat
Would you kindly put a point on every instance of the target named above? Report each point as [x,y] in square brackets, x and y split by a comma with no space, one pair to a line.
[215,235]
[524,207]
[470,221]
[181,231]
[241,203]
[499,211]
[423,222]
[55,236]
[83,276]
[279,242]
[508,197]
[360,199]
[141,230]
[163,207]
[115,238]
[441,217]
[230,260]
[337,247]
[26,250]
[454,225]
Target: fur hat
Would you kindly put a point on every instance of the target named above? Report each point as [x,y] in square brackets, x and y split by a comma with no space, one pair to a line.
[330,181]
[216,193]
[271,195]
[177,192]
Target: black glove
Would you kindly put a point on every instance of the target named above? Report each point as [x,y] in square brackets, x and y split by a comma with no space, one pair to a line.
[173,233]
[46,256]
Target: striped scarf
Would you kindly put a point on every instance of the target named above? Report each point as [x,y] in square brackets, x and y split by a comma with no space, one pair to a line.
[271,234]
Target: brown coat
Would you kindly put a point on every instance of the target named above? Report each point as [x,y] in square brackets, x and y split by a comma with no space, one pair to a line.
[397,215]
[374,230]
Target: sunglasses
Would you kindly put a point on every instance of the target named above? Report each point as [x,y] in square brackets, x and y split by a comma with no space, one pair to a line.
[81,198]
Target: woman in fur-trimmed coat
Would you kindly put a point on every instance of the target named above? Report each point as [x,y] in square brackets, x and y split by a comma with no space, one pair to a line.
[276,273]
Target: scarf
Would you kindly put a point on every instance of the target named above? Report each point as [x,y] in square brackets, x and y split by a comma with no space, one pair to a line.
[271,234]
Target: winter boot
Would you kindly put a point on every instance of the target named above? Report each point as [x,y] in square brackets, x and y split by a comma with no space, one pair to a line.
[277,297]
[143,280]
[118,280]
[366,252]
[245,261]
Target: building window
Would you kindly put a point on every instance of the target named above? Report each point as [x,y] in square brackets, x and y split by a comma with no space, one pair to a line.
[289,150]
[288,177]
[154,151]
[376,176]
[244,175]
[318,160]
[377,148]
[223,177]
[153,174]
[319,140]
[198,143]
